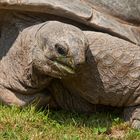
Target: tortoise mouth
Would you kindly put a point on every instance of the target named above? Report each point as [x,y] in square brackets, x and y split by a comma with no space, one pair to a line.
[61,68]
[65,67]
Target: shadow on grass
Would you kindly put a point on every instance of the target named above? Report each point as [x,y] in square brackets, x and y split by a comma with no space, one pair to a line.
[104,118]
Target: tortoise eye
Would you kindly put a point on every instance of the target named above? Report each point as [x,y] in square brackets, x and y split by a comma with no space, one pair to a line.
[61,49]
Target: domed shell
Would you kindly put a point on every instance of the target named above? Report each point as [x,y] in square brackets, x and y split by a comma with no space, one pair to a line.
[118,18]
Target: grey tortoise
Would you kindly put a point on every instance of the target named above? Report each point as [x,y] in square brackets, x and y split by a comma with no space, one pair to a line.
[71,54]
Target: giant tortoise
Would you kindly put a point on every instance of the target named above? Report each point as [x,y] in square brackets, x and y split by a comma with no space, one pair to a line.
[71,54]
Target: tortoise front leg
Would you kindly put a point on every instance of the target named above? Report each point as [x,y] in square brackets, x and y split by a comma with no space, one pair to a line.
[68,99]
[132,114]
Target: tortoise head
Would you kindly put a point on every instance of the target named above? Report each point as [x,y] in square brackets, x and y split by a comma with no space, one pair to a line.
[61,47]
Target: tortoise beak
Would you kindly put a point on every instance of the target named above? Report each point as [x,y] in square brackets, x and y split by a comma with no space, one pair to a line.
[65,65]
[67,61]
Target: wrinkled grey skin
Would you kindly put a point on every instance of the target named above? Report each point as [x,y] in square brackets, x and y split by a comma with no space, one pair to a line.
[32,71]
[40,53]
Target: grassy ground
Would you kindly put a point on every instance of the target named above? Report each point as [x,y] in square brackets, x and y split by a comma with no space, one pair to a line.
[29,124]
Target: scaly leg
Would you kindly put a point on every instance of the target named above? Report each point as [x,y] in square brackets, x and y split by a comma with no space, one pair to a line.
[69,100]
[132,114]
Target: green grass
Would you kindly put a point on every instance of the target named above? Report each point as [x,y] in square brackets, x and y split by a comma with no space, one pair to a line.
[30,124]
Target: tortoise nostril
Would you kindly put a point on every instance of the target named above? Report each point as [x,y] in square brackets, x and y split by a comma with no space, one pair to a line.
[61,49]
